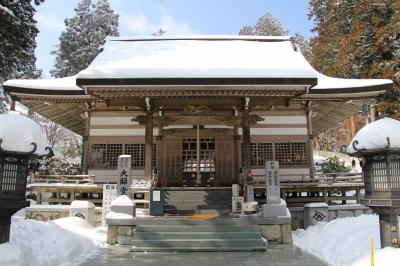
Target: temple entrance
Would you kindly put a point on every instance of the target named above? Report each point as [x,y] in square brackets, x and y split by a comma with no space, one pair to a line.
[205,161]
[192,166]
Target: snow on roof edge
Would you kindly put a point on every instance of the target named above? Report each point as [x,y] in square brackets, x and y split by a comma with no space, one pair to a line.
[331,83]
[201,37]
[60,84]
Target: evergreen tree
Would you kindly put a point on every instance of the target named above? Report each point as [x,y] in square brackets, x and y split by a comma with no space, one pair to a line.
[85,33]
[359,39]
[267,25]
[17,42]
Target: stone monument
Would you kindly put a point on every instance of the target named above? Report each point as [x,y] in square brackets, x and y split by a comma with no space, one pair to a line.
[124,180]
[275,206]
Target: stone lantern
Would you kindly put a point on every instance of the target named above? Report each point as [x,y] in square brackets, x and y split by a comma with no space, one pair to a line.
[378,146]
[21,142]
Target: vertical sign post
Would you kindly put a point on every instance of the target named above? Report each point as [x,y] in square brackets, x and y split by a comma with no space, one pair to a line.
[272,182]
[124,180]
[109,194]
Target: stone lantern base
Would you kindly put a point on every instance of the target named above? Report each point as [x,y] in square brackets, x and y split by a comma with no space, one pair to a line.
[389,225]
[8,209]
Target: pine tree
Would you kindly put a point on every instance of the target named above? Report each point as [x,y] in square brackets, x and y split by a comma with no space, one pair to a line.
[359,39]
[85,33]
[17,42]
[267,25]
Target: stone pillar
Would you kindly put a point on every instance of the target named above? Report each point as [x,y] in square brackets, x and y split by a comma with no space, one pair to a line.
[148,169]
[124,179]
[246,143]
[389,226]
[315,212]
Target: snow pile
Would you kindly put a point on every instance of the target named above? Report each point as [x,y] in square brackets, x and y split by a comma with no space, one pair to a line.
[374,136]
[60,242]
[11,255]
[18,132]
[345,241]
[384,257]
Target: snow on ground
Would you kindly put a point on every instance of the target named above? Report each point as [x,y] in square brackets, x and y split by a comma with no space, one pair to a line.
[345,242]
[63,241]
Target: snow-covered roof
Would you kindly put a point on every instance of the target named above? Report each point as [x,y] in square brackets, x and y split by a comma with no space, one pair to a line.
[198,57]
[329,84]
[61,85]
[17,132]
[374,136]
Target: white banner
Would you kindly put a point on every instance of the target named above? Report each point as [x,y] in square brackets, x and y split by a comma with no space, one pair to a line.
[109,194]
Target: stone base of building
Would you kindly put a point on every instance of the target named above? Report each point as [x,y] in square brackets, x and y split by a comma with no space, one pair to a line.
[277,233]
[120,234]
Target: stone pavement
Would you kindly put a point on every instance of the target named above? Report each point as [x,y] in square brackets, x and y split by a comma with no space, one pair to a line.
[275,255]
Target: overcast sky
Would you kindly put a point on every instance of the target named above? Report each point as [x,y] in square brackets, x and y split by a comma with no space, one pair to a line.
[177,17]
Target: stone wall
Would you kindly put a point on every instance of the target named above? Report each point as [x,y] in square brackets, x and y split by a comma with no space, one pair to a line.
[120,234]
[334,211]
[277,233]
[52,212]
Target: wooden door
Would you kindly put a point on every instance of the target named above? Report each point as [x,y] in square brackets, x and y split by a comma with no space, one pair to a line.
[173,160]
[225,160]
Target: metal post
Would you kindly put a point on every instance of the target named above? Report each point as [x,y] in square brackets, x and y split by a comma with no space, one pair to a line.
[198,177]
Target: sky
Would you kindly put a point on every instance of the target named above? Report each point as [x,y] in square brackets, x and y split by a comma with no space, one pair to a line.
[177,17]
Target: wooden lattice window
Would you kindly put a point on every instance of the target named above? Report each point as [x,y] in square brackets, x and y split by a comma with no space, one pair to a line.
[283,154]
[264,153]
[137,151]
[106,155]
[99,155]
[113,151]
[298,151]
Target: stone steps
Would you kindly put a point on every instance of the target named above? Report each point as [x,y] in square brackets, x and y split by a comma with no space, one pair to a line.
[189,201]
[204,236]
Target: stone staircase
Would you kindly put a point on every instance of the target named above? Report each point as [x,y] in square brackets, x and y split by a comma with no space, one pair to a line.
[189,201]
[197,235]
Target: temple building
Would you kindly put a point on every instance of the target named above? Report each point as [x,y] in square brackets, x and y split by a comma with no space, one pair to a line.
[198,110]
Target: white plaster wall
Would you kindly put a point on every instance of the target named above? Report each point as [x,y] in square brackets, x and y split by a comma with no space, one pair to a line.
[120,132]
[284,120]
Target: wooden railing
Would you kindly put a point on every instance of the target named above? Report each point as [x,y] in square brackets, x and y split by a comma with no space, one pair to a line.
[321,178]
[64,179]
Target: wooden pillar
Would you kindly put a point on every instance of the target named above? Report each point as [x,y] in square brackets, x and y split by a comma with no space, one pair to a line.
[372,110]
[85,145]
[352,127]
[198,176]
[148,169]
[236,154]
[160,152]
[246,143]
[310,140]
[12,105]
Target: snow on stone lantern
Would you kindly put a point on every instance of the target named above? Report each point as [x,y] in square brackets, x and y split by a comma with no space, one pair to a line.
[21,142]
[378,144]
